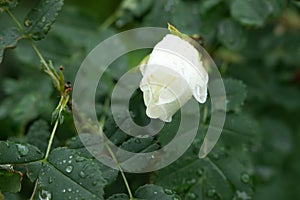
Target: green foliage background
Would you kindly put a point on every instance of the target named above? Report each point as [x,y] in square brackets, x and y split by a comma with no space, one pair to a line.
[255,44]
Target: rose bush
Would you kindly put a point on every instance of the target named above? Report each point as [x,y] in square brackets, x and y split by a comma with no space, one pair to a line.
[172,74]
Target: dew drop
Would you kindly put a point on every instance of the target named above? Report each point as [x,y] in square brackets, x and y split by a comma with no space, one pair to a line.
[155,192]
[43,19]
[120,23]
[215,156]
[168,191]
[27,22]
[44,195]
[22,149]
[242,195]
[79,159]
[192,181]
[200,172]
[50,180]
[245,177]
[211,192]
[191,195]
[69,189]
[94,183]
[137,140]
[82,174]
[69,168]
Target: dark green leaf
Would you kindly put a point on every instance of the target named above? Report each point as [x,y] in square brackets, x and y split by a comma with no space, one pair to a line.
[149,192]
[275,7]
[225,173]
[69,175]
[231,34]
[38,135]
[16,153]
[75,143]
[9,39]
[119,197]
[249,12]
[26,99]
[154,192]
[220,175]
[10,181]
[235,94]
[206,5]
[240,130]
[40,19]
[33,170]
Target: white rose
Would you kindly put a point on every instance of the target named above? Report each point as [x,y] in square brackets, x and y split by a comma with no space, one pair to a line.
[172,75]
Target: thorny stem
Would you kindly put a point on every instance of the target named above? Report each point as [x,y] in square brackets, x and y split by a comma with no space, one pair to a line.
[101,124]
[118,165]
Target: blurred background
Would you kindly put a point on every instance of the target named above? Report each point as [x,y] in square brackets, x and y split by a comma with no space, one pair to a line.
[255,41]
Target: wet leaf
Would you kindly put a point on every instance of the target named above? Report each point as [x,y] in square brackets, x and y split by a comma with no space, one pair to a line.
[40,19]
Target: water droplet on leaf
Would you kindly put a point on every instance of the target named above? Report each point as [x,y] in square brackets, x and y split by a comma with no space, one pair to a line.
[137,140]
[50,180]
[191,195]
[245,177]
[211,192]
[44,195]
[69,168]
[199,172]
[82,174]
[22,149]
[168,191]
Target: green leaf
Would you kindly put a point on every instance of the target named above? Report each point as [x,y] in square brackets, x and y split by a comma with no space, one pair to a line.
[119,197]
[10,181]
[206,5]
[275,7]
[235,94]
[38,134]
[40,19]
[240,130]
[33,170]
[224,174]
[219,175]
[75,143]
[25,100]
[231,34]
[182,14]
[149,192]
[249,12]
[68,175]
[9,39]
[17,153]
